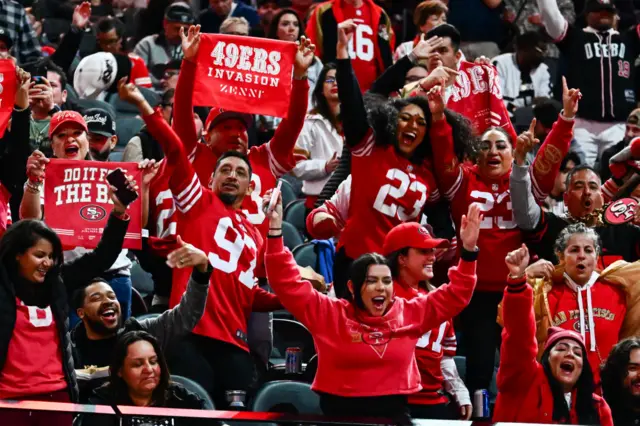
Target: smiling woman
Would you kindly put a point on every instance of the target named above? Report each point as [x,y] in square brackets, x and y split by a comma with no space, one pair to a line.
[139,376]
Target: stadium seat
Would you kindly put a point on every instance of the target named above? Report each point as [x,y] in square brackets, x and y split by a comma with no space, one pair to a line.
[141,280]
[115,156]
[286,396]
[138,305]
[312,367]
[291,235]
[147,316]
[290,333]
[295,214]
[126,128]
[288,195]
[296,184]
[195,388]
[305,255]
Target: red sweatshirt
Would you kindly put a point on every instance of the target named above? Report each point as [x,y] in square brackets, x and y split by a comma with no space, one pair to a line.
[608,309]
[524,394]
[269,161]
[463,185]
[232,244]
[359,355]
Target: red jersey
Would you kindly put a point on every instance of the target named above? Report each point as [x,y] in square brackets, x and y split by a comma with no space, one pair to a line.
[269,161]
[462,185]
[430,349]
[361,355]
[34,359]
[386,190]
[230,241]
[608,309]
[139,74]
[476,95]
[364,49]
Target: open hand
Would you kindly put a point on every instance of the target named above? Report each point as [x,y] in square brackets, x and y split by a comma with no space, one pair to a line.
[190,42]
[81,15]
[304,57]
[346,29]
[517,261]
[187,256]
[570,99]
[426,46]
[525,143]
[470,227]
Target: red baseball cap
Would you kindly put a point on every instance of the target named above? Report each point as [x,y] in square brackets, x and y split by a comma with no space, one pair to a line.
[556,333]
[62,117]
[411,235]
[218,115]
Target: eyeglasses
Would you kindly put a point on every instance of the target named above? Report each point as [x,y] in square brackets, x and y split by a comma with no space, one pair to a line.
[170,73]
[330,80]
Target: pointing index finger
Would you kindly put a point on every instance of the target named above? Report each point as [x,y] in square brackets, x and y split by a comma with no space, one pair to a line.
[532,126]
[565,89]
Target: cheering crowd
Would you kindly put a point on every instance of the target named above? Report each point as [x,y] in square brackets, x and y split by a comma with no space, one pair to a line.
[464,172]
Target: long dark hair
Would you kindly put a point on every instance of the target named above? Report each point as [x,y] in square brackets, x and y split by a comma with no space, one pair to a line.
[272,32]
[118,388]
[319,101]
[358,274]
[585,406]
[23,235]
[614,372]
[383,119]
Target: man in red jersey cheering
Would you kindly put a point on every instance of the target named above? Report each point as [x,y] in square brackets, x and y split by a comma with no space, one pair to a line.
[213,222]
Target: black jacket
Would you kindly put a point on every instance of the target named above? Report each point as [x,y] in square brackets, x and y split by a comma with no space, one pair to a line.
[73,275]
[177,397]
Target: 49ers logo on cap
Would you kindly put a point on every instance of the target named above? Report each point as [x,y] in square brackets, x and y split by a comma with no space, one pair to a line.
[93,213]
[423,230]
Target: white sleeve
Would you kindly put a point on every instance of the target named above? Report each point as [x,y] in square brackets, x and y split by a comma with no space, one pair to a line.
[453,383]
[311,169]
[552,19]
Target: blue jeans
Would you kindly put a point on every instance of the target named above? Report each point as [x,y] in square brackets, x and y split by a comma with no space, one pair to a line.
[121,285]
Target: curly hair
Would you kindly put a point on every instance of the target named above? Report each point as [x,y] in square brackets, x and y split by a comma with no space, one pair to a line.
[575,228]
[383,119]
[613,374]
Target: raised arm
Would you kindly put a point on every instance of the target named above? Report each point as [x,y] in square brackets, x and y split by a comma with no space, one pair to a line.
[281,146]
[328,220]
[552,19]
[448,169]
[449,300]
[184,183]
[79,271]
[526,211]
[519,349]
[183,123]
[299,297]
[546,165]
[70,44]
[354,115]
[181,320]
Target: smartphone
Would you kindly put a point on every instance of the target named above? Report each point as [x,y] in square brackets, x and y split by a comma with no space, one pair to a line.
[118,180]
[273,202]
[38,79]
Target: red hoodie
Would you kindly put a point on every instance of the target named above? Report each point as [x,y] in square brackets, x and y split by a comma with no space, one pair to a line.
[524,393]
[463,185]
[359,355]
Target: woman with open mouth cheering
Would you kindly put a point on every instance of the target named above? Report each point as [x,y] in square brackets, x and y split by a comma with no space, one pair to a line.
[559,388]
[366,344]
[575,296]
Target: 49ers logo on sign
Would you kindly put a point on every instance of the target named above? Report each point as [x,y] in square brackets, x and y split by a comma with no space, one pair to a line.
[93,213]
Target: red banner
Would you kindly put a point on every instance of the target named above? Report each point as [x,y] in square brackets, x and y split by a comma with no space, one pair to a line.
[244,74]
[7,92]
[77,205]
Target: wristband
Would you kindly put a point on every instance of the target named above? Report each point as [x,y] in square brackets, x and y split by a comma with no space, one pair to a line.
[275,229]
[412,57]
[274,236]
[33,187]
